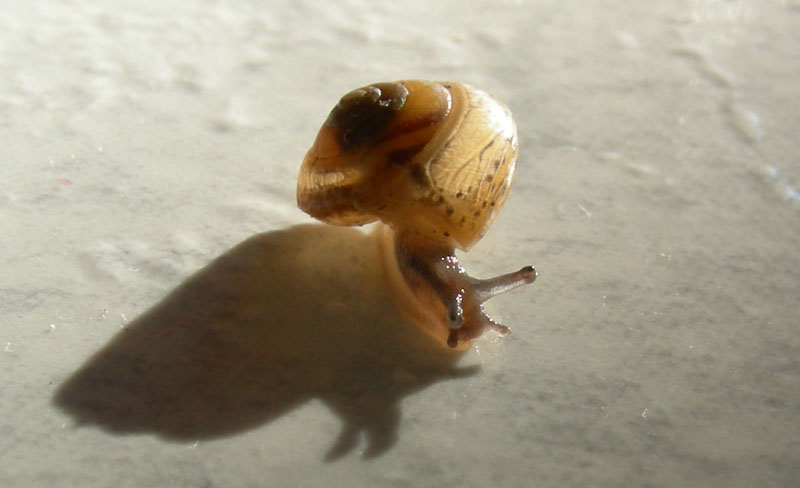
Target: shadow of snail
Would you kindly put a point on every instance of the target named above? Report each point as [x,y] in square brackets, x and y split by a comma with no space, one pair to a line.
[282,318]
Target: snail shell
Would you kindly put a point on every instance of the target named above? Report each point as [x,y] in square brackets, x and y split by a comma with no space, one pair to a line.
[433,161]
[435,158]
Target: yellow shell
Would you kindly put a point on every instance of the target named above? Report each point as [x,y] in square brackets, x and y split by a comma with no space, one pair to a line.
[432,158]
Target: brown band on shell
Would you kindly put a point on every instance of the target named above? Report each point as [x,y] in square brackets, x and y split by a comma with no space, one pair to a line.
[404,155]
[336,204]
[414,125]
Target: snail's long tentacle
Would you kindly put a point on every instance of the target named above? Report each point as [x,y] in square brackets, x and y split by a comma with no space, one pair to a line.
[491,287]
[439,292]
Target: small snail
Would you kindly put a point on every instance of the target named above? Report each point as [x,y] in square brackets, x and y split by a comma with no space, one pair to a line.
[433,161]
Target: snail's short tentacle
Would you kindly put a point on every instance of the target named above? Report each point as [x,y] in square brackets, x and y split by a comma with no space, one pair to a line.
[479,322]
[502,330]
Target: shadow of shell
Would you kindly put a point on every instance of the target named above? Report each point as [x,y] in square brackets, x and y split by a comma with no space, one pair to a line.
[280,319]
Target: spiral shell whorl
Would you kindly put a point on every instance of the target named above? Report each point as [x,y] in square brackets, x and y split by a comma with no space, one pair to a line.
[431,158]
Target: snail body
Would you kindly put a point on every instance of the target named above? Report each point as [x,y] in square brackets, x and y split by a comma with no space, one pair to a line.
[433,161]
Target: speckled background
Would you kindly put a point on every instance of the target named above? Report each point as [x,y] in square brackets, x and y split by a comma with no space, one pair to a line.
[168,317]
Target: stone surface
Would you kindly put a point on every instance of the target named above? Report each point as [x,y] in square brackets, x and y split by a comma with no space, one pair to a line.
[169,318]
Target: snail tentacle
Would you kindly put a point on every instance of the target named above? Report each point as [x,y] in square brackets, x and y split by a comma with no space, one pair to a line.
[491,287]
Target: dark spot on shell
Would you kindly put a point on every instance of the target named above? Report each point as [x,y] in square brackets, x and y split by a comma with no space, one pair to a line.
[476,213]
[497,163]
[461,222]
[363,113]
[447,234]
[459,194]
[484,204]
[489,177]
[449,210]
[432,199]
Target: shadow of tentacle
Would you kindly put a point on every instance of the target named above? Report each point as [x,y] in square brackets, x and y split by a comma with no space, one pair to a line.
[282,318]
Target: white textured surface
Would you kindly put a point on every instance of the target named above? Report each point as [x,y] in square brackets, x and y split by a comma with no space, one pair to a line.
[656,192]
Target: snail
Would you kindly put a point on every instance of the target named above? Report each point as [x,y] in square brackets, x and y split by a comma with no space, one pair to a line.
[433,162]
